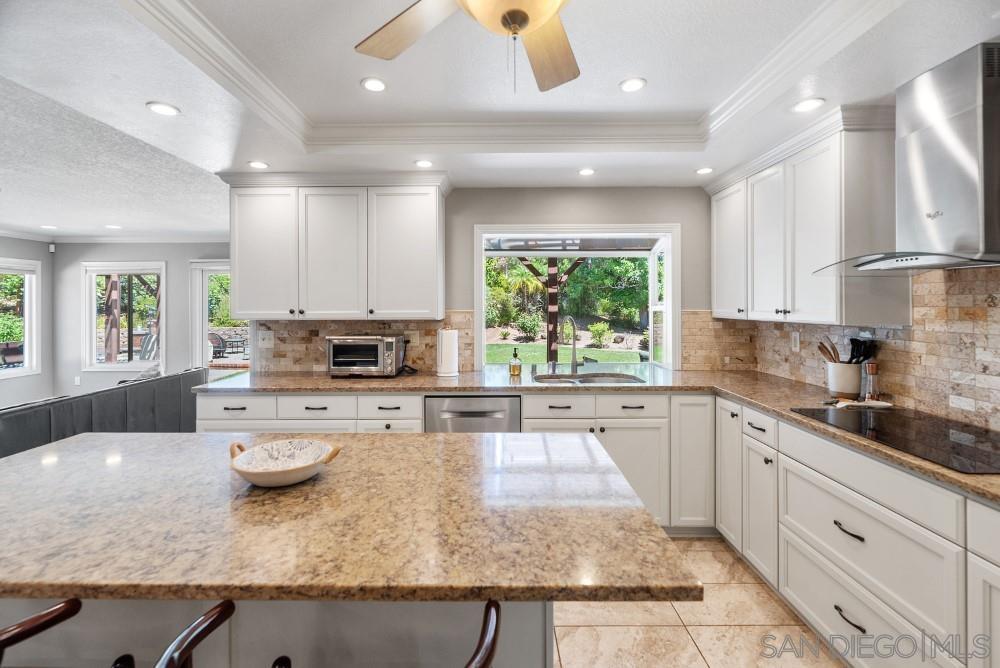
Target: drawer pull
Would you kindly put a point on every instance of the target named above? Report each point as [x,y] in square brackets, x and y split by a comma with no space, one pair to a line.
[753,426]
[840,611]
[390,408]
[633,408]
[733,415]
[559,408]
[591,430]
[234,408]
[768,460]
[849,533]
[316,408]
[388,426]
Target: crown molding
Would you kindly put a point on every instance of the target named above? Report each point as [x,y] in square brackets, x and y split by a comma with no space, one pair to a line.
[221,237]
[187,29]
[841,119]
[356,180]
[827,31]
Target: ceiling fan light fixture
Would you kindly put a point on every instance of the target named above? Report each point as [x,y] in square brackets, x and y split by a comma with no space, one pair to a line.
[499,15]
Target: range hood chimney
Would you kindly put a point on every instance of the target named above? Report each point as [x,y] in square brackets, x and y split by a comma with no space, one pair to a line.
[947,170]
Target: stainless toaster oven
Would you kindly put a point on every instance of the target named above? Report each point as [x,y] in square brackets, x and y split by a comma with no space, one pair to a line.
[365,355]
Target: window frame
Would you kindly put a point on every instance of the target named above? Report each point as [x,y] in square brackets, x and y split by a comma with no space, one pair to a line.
[671,231]
[89,272]
[32,271]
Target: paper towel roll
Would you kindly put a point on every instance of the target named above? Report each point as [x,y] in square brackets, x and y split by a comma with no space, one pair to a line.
[447,349]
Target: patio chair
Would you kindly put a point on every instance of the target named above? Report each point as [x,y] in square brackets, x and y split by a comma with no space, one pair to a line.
[148,347]
[218,345]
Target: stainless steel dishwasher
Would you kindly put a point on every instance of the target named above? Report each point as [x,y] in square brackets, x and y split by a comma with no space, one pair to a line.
[475,415]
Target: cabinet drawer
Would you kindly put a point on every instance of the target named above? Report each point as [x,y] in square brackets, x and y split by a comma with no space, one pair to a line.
[392,406]
[237,407]
[934,507]
[984,531]
[390,426]
[632,406]
[760,427]
[279,426]
[558,406]
[833,603]
[871,543]
[318,407]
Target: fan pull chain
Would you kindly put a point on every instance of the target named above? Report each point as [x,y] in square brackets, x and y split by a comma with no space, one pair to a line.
[515,62]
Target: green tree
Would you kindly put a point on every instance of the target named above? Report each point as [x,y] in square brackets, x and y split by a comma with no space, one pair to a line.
[12,294]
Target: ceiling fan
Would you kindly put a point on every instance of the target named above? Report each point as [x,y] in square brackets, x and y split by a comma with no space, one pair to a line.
[535,22]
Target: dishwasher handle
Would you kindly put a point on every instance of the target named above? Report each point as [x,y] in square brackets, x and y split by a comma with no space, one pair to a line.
[492,415]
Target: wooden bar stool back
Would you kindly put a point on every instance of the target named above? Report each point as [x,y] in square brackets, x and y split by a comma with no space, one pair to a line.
[178,655]
[489,636]
[32,626]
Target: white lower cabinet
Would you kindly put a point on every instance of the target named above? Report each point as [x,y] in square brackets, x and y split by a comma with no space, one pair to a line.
[692,461]
[760,508]
[640,449]
[856,623]
[729,472]
[313,413]
[984,613]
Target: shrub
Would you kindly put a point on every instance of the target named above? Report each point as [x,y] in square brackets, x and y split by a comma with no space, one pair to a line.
[500,308]
[644,341]
[530,325]
[504,334]
[600,332]
[11,328]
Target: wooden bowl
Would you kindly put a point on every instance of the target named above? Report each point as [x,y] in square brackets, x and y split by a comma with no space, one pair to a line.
[281,463]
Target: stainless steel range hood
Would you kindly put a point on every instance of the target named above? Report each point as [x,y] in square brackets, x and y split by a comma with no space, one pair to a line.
[947,170]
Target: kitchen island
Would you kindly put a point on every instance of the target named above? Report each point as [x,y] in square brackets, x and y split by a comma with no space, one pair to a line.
[386,556]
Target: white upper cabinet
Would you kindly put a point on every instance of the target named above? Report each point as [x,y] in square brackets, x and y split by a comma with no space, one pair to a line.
[337,253]
[264,248]
[333,253]
[406,253]
[729,252]
[819,205]
[766,241]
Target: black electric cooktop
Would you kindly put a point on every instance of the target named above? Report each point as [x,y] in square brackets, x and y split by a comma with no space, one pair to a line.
[955,445]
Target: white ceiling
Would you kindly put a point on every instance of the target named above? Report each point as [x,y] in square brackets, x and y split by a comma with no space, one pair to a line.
[260,80]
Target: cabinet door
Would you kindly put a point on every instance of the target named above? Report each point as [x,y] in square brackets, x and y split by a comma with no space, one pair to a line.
[760,508]
[333,253]
[264,249]
[984,612]
[692,461]
[766,241]
[640,450]
[729,472]
[729,252]
[405,254]
[813,232]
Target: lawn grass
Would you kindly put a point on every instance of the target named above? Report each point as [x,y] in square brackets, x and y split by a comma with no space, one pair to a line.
[534,353]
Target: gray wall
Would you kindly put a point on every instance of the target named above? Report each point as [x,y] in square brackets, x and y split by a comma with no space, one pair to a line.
[38,386]
[68,309]
[466,208]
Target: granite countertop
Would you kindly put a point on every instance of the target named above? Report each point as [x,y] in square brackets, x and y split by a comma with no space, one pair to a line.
[400,517]
[769,394]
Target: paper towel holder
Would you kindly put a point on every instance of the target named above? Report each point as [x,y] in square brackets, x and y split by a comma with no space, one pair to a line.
[447,352]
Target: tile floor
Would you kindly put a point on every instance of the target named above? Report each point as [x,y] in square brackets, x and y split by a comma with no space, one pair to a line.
[724,630]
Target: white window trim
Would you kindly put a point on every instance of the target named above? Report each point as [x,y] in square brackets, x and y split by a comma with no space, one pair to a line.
[200,270]
[88,270]
[32,270]
[673,230]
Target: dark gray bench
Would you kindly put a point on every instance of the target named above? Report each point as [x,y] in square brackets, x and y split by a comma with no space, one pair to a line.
[164,404]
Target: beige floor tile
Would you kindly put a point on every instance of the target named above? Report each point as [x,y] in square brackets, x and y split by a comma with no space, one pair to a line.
[627,647]
[748,647]
[720,567]
[736,604]
[686,544]
[646,613]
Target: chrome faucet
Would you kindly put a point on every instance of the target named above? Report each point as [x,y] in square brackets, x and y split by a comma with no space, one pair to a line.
[573,364]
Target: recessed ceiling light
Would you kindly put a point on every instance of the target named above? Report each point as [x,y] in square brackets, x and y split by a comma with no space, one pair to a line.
[257,164]
[163,108]
[587,171]
[809,104]
[48,227]
[373,84]
[705,170]
[113,227]
[632,85]
[424,164]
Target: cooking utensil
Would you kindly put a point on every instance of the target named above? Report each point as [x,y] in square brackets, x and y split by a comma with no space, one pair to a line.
[825,352]
[833,349]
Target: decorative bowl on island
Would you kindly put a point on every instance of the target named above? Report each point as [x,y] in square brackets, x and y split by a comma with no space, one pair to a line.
[281,463]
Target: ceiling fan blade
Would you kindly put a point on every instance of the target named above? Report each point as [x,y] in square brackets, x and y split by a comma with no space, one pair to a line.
[551,55]
[402,32]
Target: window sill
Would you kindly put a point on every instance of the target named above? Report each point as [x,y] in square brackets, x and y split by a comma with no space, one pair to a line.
[120,368]
[19,373]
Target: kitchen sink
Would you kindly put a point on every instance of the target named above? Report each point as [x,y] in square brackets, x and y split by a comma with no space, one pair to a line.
[587,379]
